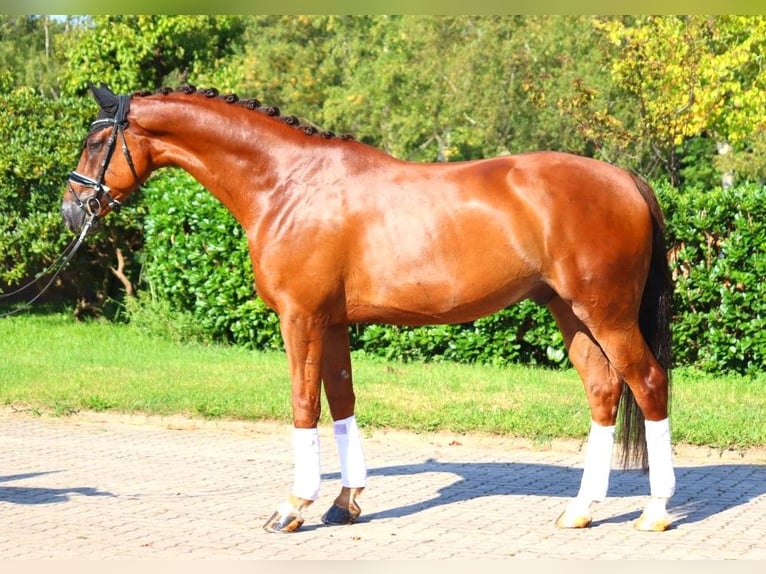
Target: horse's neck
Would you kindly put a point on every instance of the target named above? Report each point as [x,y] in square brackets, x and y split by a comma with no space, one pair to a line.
[226,149]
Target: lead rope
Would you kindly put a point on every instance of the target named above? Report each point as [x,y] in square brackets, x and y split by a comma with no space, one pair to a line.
[63,259]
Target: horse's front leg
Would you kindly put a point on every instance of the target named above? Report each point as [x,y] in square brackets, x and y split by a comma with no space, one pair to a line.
[303,337]
[338,385]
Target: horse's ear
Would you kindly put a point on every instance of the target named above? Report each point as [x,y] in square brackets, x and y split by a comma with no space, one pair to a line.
[106,98]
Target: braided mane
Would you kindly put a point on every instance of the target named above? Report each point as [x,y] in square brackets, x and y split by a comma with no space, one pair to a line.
[251,104]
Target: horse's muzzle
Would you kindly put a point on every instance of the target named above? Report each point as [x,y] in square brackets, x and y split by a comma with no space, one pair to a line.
[73,216]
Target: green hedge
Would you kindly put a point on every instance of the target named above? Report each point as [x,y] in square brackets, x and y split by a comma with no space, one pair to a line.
[196,264]
[718,255]
[197,268]
[33,168]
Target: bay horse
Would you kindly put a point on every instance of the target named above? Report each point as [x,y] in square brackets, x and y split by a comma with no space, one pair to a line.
[340,232]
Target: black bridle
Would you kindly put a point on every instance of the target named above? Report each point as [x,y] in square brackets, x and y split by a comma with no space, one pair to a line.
[92,205]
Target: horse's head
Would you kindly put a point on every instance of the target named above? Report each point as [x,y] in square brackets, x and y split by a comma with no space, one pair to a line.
[104,179]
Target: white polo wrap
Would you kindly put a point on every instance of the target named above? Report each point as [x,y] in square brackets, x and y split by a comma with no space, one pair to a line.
[353,470]
[598,463]
[662,478]
[306,456]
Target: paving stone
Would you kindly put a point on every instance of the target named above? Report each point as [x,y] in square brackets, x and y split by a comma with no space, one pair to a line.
[98,487]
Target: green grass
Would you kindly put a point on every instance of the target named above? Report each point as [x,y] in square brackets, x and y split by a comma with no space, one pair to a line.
[51,363]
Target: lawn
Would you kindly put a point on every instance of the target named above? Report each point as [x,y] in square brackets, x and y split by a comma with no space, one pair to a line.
[50,363]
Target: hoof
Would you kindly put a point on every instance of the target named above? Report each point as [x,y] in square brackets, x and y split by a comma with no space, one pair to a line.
[339,515]
[279,522]
[652,524]
[567,520]
[655,517]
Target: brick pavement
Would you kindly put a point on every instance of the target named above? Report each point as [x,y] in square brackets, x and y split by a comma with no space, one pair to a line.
[114,487]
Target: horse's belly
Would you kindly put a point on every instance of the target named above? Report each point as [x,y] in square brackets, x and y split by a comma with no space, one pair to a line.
[424,300]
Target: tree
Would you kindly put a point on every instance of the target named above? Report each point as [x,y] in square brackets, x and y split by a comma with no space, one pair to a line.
[687,76]
[423,87]
[28,57]
[130,52]
[294,62]
[451,88]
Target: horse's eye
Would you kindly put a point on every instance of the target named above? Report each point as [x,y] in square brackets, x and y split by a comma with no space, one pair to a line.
[94,145]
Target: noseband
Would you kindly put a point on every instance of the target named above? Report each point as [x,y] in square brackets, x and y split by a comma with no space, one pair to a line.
[92,205]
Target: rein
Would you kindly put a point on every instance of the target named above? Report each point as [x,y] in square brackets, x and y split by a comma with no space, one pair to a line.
[61,261]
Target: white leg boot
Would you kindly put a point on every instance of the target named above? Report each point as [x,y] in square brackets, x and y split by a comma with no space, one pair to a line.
[662,479]
[595,477]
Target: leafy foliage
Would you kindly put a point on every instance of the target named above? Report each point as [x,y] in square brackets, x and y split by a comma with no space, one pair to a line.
[28,58]
[423,88]
[718,240]
[32,175]
[129,52]
[196,263]
[687,76]
[521,334]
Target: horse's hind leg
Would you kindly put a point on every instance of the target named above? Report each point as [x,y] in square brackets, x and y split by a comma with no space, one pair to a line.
[631,360]
[602,387]
[338,385]
[648,381]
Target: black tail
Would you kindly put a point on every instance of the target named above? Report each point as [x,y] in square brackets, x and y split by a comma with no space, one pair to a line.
[654,321]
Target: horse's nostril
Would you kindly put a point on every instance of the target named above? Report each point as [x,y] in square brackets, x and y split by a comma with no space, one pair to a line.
[73,218]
